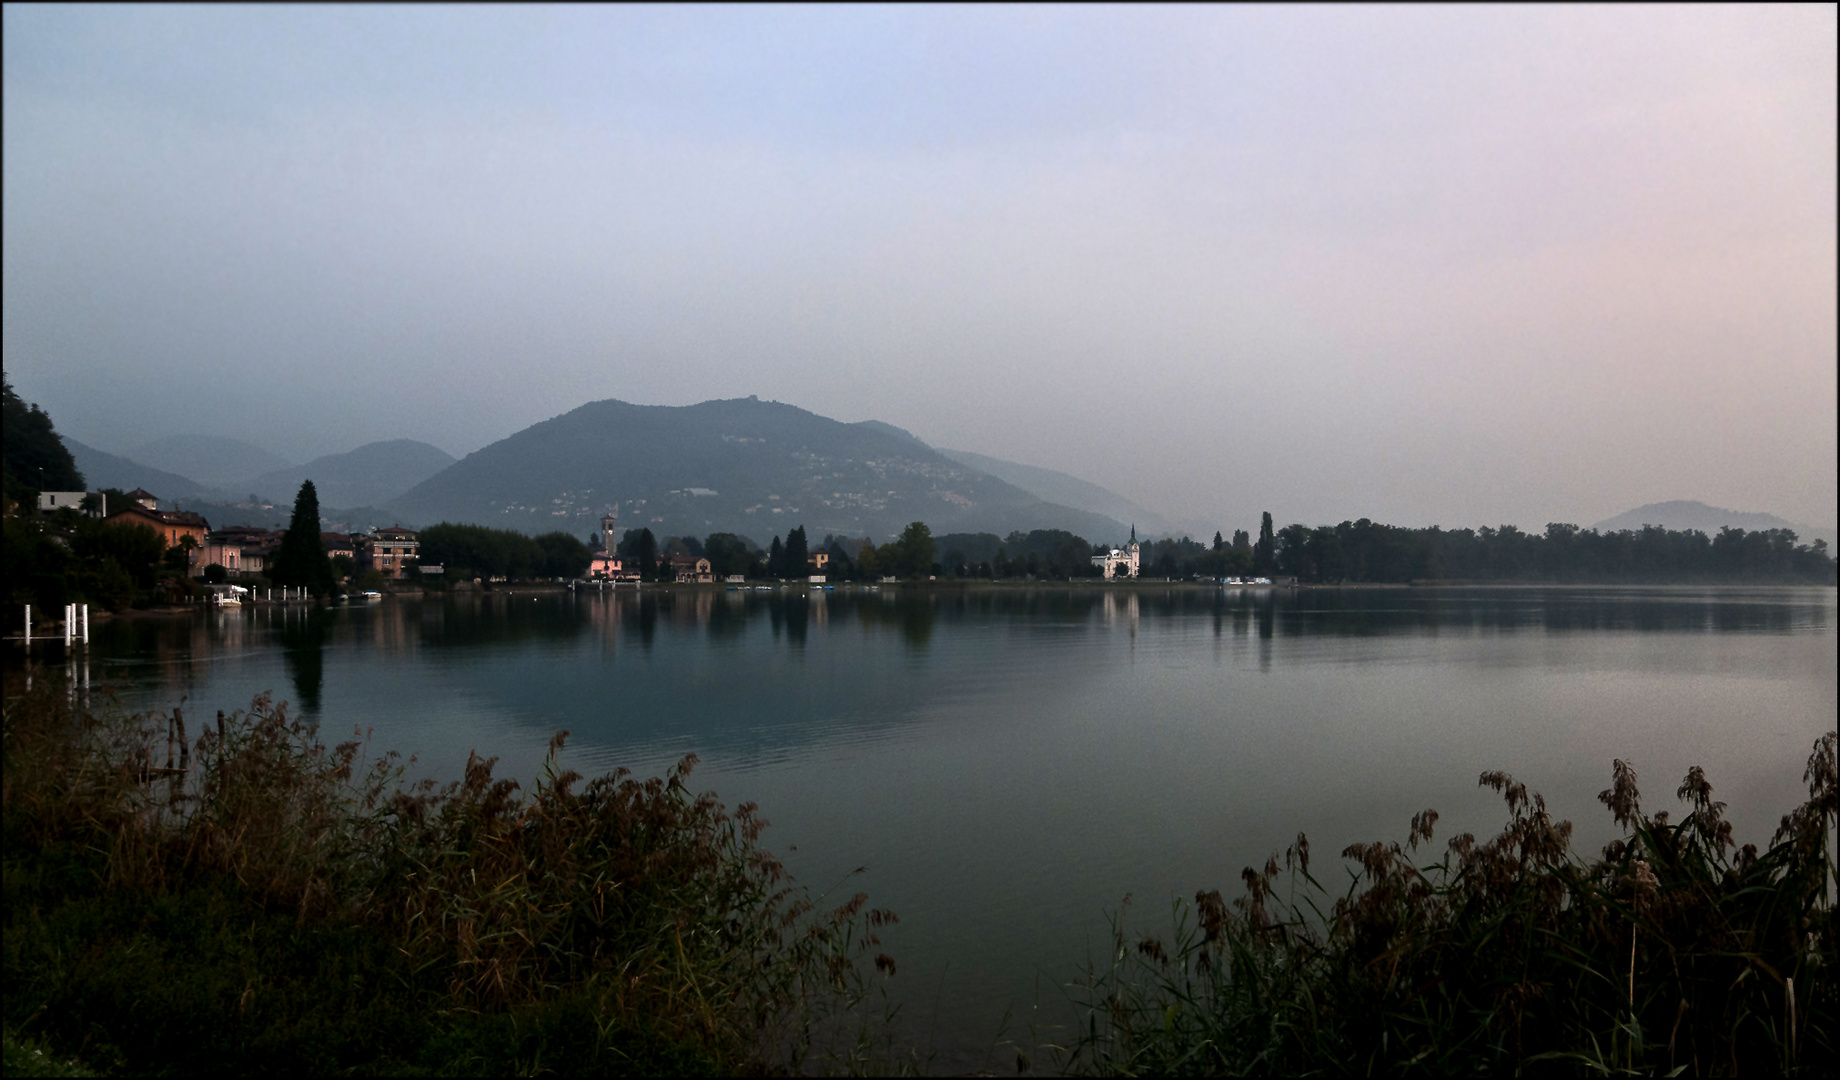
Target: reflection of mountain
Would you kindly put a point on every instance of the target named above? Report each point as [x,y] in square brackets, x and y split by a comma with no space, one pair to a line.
[1686,514]
[368,476]
[753,467]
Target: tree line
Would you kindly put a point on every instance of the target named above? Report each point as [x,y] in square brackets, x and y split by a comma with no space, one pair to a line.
[1352,552]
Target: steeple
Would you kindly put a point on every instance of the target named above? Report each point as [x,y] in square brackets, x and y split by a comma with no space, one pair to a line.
[1133,534]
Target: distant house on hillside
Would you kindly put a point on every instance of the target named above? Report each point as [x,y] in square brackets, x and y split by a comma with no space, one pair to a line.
[172,526]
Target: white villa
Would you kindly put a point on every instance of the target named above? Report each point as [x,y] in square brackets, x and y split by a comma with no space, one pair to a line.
[1119,560]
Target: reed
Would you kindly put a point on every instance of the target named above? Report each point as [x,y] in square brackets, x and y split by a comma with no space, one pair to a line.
[247,897]
[1674,951]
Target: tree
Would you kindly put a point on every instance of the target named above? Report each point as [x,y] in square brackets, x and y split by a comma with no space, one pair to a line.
[776,559]
[727,554]
[33,457]
[798,555]
[915,549]
[1265,554]
[641,547]
[301,560]
[562,556]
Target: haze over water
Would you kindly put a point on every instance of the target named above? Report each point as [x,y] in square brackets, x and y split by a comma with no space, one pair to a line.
[1009,763]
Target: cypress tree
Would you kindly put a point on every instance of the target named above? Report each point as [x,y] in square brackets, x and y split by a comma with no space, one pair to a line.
[1265,554]
[302,559]
[797,554]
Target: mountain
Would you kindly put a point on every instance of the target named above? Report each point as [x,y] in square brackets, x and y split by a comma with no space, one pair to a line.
[1684,514]
[104,470]
[1052,486]
[226,464]
[758,468]
[371,475]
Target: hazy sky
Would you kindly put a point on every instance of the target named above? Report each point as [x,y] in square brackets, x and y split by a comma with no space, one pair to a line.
[1423,265]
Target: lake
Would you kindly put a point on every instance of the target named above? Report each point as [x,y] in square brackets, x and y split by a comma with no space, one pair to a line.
[1009,763]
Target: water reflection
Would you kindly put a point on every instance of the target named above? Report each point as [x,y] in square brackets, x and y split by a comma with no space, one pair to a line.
[303,646]
[1012,761]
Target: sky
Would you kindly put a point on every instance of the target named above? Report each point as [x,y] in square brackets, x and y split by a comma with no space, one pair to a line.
[1426,265]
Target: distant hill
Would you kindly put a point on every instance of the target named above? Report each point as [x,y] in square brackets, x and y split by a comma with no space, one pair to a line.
[226,464]
[371,475]
[1059,487]
[754,467]
[1684,514]
[104,470]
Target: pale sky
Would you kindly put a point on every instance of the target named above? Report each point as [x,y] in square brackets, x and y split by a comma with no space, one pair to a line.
[1425,265]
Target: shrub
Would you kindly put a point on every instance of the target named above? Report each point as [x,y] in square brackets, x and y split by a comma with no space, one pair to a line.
[1671,952]
[251,899]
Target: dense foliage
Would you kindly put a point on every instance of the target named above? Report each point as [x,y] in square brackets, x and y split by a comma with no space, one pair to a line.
[1673,952]
[68,557]
[246,900]
[1364,551]
[33,457]
[469,551]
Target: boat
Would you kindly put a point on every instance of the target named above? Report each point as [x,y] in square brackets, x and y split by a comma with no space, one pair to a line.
[372,594]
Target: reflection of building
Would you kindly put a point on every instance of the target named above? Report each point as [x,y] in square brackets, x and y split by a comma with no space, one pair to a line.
[386,550]
[1119,561]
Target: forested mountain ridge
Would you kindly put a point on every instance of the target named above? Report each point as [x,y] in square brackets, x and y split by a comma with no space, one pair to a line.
[757,468]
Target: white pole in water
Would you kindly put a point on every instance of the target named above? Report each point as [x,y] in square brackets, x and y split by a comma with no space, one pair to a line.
[28,627]
[86,625]
[69,615]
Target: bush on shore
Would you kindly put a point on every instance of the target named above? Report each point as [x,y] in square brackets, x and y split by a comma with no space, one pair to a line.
[1673,952]
[251,900]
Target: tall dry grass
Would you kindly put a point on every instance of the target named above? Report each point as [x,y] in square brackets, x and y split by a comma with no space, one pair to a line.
[248,897]
[1675,951]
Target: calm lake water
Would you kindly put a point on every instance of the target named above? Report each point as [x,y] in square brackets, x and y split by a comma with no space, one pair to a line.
[1009,764]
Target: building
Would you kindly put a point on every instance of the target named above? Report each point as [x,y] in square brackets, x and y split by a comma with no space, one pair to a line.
[387,550]
[819,560]
[239,549]
[691,569]
[607,566]
[338,544]
[50,502]
[172,526]
[1124,560]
